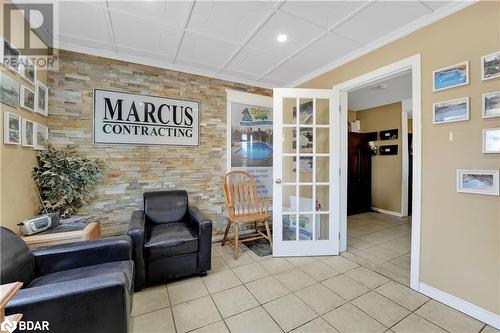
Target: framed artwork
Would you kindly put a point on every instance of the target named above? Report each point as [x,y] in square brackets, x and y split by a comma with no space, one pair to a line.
[391,134]
[27,70]
[42,98]
[10,57]
[491,104]
[28,137]
[478,181]
[27,100]
[42,134]
[451,111]
[491,140]
[389,150]
[490,66]
[11,128]
[451,76]
[9,90]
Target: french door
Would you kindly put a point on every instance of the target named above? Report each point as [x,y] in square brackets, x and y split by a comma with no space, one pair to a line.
[306,166]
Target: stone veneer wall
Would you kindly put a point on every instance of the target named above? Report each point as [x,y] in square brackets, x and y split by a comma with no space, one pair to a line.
[131,170]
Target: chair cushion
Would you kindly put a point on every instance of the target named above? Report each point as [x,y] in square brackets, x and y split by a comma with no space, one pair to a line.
[126,267]
[165,206]
[170,239]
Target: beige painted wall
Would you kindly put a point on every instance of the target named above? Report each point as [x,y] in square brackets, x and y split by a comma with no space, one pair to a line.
[386,170]
[460,239]
[18,199]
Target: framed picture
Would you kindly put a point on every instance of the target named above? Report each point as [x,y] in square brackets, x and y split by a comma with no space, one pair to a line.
[478,181]
[11,128]
[28,136]
[491,104]
[451,76]
[42,98]
[27,100]
[389,150]
[9,90]
[42,134]
[391,134]
[451,111]
[491,140]
[27,70]
[10,57]
[490,66]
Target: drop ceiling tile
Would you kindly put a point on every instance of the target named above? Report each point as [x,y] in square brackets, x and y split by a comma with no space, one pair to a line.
[74,41]
[229,20]
[247,76]
[436,4]
[381,18]
[322,13]
[167,12]
[139,33]
[298,32]
[253,61]
[144,55]
[205,50]
[196,65]
[275,83]
[82,20]
[292,70]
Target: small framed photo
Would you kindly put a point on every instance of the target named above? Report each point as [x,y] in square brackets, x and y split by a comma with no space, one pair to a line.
[27,99]
[450,76]
[27,70]
[9,90]
[28,130]
[478,181]
[10,56]
[42,98]
[490,66]
[451,111]
[491,140]
[42,134]
[11,129]
[491,104]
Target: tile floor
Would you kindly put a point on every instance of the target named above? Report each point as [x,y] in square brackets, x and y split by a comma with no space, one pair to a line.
[357,292]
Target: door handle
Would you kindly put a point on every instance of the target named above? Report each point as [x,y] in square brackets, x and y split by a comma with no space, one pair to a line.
[278,181]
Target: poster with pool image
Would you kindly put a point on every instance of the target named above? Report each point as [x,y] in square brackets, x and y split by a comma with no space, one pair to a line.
[252,144]
[478,181]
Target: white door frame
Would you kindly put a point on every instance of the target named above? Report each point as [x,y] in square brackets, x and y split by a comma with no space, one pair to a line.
[340,103]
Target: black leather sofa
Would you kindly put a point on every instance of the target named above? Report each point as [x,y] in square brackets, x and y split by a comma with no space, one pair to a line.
[76,287]
[171,238]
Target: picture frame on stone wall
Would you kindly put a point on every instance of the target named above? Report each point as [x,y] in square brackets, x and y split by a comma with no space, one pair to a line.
[27,100]
[491,140]
[9,90]
[490,66]
[11,128]
[28,133]
[27,70]
[451,76]
[491,104]
[10,55]
[41,136]
[478,181]
[42,98]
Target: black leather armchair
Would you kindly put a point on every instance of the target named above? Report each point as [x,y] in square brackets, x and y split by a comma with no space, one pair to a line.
[76,287]
[171,239]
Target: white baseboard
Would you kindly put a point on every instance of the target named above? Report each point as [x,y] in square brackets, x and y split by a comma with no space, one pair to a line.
[388,212]
[459,304]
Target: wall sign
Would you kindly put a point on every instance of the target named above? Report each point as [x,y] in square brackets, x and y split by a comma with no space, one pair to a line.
[126,118]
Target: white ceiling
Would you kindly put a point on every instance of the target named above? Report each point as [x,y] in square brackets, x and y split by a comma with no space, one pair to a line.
[236,40]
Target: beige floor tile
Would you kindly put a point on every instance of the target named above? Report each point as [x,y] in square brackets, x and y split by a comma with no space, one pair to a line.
[218,327]
[358,243]
[401,245]
[275,265]
[243,259]
[156,321]
[489,329]
[448,318]
[150,299]
[218,265]
[250,272]
[318,325]
[345,287]
[348,318]
[252,321]
[340,264]
[258,258]
[299,261]
[396,269]
[295,279]
[319,270]
[402,295]
[382,309]
[233,301]
[382,252]
[289,312]
[368,259]
[221,281]
[320,298]
[404,261]
[416,324]
[186,290]
[267,289]
[195,314]
[366,277]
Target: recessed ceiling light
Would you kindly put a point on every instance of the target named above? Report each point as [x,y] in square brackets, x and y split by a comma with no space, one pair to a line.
[281,38]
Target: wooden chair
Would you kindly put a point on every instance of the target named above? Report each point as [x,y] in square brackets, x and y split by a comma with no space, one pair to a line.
[243,206]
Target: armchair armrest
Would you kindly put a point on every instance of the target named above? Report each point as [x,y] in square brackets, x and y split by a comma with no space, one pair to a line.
[80,254]
[136,230]
[96,304]
[202,225]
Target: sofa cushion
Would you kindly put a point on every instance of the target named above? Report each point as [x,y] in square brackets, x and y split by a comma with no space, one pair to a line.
[169,239]
[125,267]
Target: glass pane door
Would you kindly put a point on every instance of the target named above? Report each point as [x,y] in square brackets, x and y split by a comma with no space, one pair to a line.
[305,219]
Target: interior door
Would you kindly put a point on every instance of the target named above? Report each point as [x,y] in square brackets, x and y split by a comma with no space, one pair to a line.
[306,168]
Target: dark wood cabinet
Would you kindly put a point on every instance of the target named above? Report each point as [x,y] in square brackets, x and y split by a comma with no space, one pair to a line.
[359,191]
